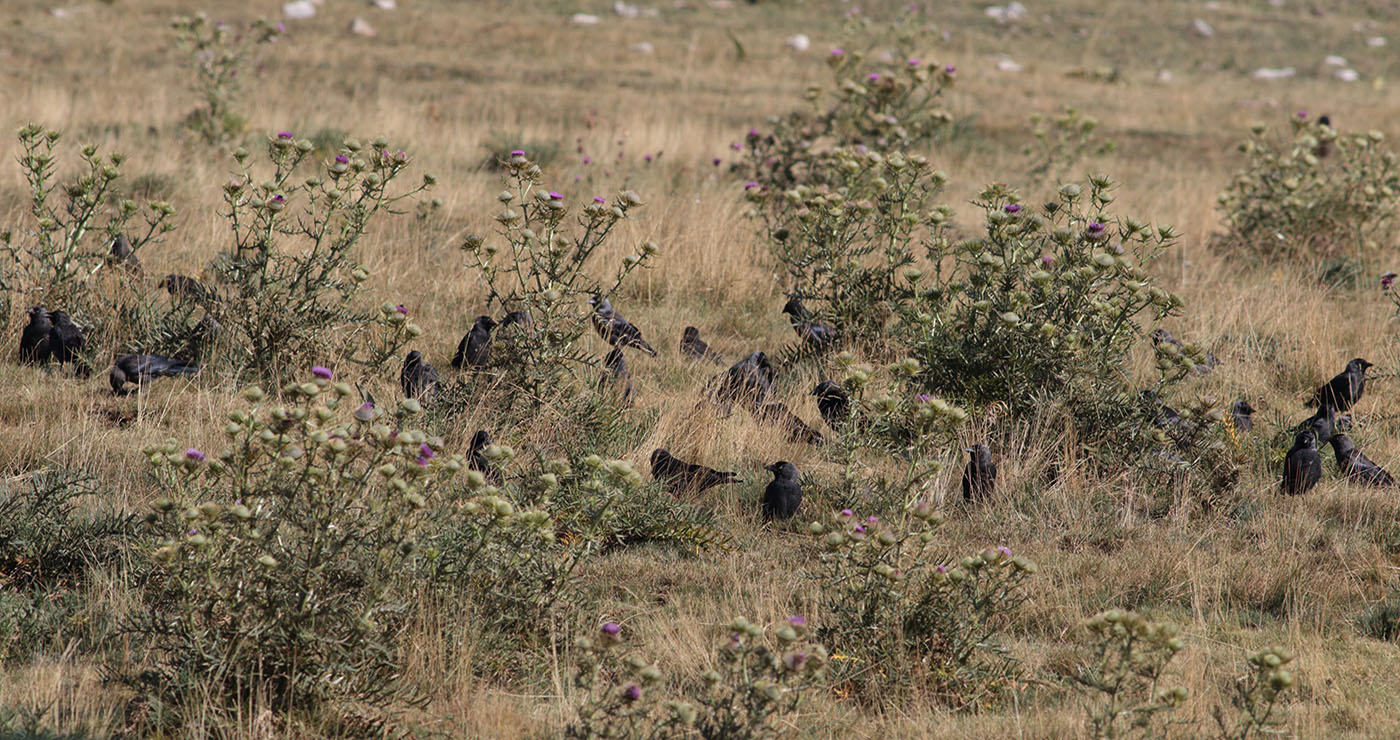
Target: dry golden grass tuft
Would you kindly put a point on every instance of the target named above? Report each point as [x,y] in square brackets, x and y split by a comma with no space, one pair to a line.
[448,78]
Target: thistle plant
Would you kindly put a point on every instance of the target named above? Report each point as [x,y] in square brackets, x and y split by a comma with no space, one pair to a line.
[291,272]
[1256,697]
[60,260]
[1061,143]
[1310,192]
[543,271]
[1123,672]
[219,55]
[900,619]
[278,570]
[757,683]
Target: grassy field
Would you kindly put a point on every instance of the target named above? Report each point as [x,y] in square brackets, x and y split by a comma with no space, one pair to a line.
[459,83]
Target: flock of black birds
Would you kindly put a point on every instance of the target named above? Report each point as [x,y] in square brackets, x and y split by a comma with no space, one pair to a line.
[52,336]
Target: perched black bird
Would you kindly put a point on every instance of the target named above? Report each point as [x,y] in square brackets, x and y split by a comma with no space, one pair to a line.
[1323,423]
[1243,415]
[1356,466]
[513,326]
[778,414]
[66,342]
[614,329]
[186,288]
[1302,467]
[694,348]
[35,342]
[816,334]
[418,379]
[140,368]
[832,402]
[120,254]
[681,476]
[980,475]
[1323,147]
[1162,416]
[783,494]
[616,375]
[475,348]
[1345,390]
[476,458]
[517,318]
[749,381]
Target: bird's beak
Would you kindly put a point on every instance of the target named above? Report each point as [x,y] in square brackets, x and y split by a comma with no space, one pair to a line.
[967,449]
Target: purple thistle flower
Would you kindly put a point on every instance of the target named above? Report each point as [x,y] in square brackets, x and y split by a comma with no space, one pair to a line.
[1047,260]
[1004,550]
[611,629]
[281,27]
[555,196]
[587,159]
[192,531]
[838,52]
[647,157]
[401,309]
[873,519]
[1302,114]
[341,158]
[750,185]
[518,153]
[194,454]
[735,146]
[278,199]
[633,692]
[422,461]
[285,135]
[860,529]
[1095,227]
[914,62]
[950,69]
[753,132]
[599,199]
[873,77]
[797,621]
[425,451]
[847,512]
[715,161]
[1013,208]
[942,569]
[923,398]
[323,373]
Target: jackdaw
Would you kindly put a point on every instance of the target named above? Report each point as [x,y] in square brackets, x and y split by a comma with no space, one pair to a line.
[1302,467]
[1356,466]
[475,348]
[1243,415]
[120,254]
[816,334]
[1323,423]
[1345,390]
[980,476]
[783,494]
[35,342]
[694,348]
[749,381]
[66,342]
[138,369]
[418,379]
[477,460]
[681,476]
[186,288]
[832,402]
[614,329]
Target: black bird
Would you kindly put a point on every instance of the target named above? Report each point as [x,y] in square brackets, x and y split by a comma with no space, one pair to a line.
[1323,147]
[1345,390]
[832,402]
[778,414]
[476,458]
[614,329]
[694,348]
[66,342]
[816,334]
[1243,415]
[419,379]
[184,287]
[521,318]
[138,369]
[35,342]
[1356,466]
[120,254]
[1161,336]
[1302,467]
[783,494]
[681,476]
[1162,416]
[749,380]
[980,475]
[1323,423]
[475,348]
[616,375]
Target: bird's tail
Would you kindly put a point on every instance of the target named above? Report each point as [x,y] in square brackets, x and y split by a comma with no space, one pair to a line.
[182,369]
[643,346]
